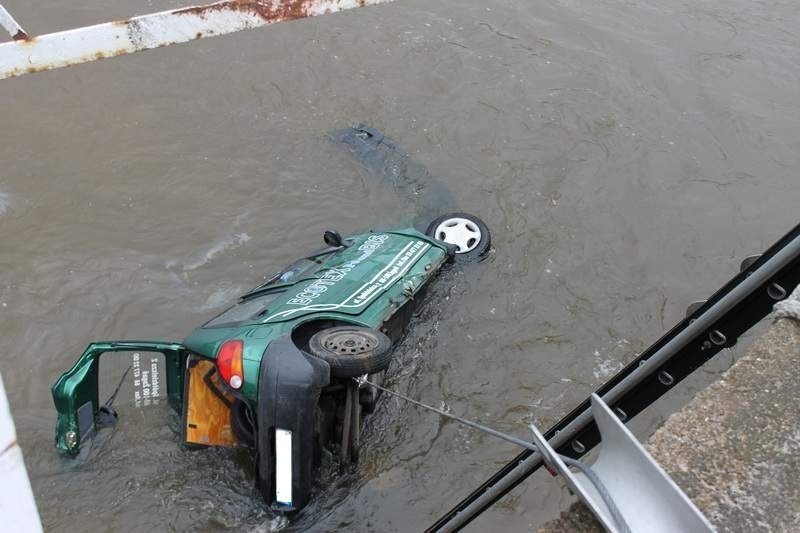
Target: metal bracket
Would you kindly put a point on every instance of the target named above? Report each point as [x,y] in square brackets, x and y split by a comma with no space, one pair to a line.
[646,497]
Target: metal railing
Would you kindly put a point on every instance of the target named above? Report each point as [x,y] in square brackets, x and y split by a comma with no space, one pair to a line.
[26,54]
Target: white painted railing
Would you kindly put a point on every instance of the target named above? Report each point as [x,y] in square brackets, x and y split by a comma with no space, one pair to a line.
[18,511]
[26,54]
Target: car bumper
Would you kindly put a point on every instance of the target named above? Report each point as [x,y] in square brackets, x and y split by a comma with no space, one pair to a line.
[289,388]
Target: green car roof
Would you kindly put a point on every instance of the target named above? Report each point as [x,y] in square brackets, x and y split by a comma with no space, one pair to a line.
[364,284]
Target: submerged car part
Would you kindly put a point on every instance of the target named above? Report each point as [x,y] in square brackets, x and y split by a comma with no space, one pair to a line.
[717,324]
[76,392]
[272,372]
[384,161]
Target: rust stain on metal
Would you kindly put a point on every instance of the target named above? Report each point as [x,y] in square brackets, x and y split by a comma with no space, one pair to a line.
[44,68]
[156,30]
[265,9]
[24,40]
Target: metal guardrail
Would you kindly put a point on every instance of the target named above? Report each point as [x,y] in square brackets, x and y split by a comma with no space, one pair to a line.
[27,54]
[709,328]
[17,506]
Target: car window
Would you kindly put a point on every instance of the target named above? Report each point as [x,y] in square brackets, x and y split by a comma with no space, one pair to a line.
[244,310]
[291,274]
[296,270]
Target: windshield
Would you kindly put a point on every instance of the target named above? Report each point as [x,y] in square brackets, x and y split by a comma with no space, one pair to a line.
[243,311]
[294,272]
[254,304]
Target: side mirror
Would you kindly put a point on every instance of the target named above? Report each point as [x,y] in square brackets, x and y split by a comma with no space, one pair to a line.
[332,238]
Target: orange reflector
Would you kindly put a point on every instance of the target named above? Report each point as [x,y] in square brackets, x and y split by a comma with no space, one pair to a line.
[229,363]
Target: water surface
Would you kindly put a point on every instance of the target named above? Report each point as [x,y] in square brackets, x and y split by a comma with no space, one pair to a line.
[626,155]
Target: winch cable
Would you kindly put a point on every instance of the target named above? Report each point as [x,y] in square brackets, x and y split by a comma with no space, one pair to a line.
[113,396]
[605,495]
[707,329]
[106,415]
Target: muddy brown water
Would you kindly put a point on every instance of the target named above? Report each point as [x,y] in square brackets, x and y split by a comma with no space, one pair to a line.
[626,155]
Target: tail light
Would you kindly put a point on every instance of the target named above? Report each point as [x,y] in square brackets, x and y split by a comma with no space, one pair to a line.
[229,363]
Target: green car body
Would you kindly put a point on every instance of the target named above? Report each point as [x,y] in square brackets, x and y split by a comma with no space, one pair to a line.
[363,285]
[369,281]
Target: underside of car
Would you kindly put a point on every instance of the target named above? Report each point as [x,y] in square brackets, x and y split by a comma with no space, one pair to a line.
[331,405]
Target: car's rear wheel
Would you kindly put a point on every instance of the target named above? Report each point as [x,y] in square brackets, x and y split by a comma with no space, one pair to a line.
[352,350]
[466,233]
[243,423]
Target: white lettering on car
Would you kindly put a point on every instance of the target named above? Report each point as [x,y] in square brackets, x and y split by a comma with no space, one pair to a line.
[394,270]
[390,275]
[137,380]
[146,383]
[331,276]
[155,380]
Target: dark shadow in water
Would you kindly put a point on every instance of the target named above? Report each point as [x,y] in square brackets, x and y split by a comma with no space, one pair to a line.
[387,163]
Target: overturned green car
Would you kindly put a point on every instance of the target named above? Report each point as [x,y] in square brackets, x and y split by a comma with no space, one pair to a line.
[274,372]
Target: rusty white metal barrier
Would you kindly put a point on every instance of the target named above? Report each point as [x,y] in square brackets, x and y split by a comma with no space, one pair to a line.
[17,506]
[28,54]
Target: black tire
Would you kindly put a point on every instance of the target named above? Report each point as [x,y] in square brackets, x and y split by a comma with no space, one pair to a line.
[242,425]
[352,350]
[468,250]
